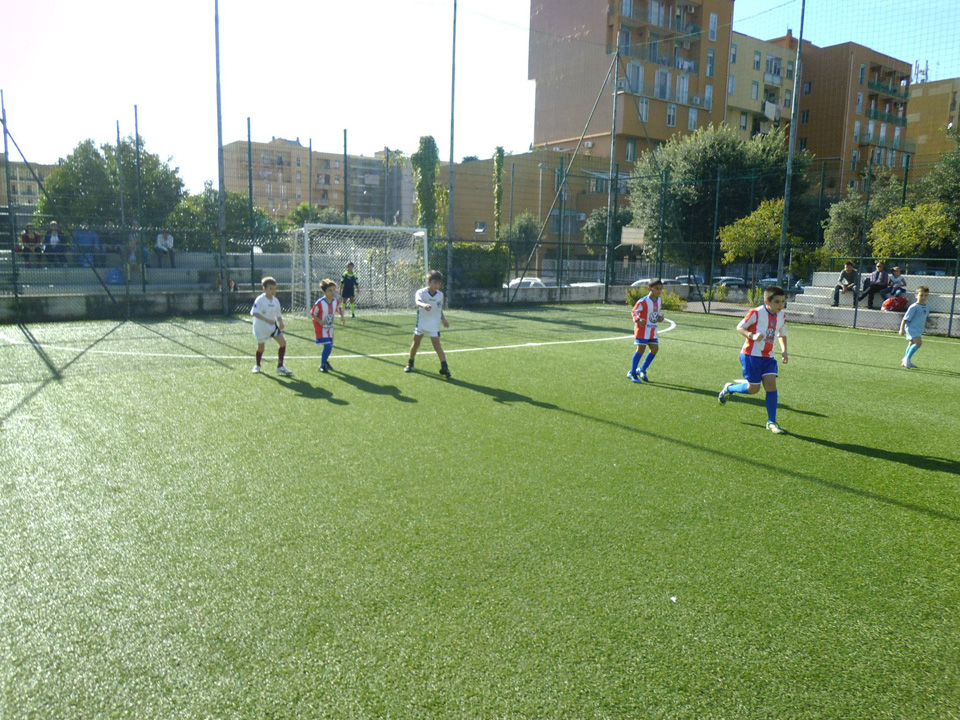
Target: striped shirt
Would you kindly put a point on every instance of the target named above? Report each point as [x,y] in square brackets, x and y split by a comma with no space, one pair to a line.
[323,313]
[761,320]
[646,315]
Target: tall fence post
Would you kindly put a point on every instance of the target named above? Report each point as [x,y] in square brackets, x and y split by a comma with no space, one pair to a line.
[953,300]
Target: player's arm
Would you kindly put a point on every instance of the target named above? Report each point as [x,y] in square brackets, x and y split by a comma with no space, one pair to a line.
[782,337]
[745,330]
[907,317]
[258,316]
[443,319]
[280,321]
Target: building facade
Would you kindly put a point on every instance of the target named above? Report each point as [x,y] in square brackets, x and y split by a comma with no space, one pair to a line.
[671,75]
[933,108]
[24,188]
[759,88]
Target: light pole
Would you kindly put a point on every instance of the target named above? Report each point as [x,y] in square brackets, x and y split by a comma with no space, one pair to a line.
[540,201]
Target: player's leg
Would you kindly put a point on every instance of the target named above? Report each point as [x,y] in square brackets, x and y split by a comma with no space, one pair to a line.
[417,337]
[281,351]
[639,350]
[749,386]
[912,347]
[770,391]
[325,351]
[444,370]
[653,347]
[260,349]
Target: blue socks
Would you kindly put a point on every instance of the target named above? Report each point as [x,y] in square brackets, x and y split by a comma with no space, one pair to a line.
[771,400]
[636,361]
[911,351]
[327,349]
[646,362]
[740,388]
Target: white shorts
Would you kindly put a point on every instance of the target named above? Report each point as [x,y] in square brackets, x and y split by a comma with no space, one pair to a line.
[264,331]
[429,332]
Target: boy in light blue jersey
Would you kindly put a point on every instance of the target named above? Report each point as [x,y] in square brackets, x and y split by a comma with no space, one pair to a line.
[913,323]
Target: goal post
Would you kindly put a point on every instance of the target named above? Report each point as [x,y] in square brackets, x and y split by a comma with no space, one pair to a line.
[390,263]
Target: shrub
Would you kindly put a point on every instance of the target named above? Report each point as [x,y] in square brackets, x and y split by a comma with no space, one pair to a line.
[668,300]
[755,296]
[634,294]
[716,293]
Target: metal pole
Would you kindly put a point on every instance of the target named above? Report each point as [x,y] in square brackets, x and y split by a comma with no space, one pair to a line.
[713,245]
[953,300]
[222,219]
[453,87]
[906,174]
[610,188]
[142,254]
[540,200]
[310,183]
[823,183]
[863,240]
[250,205]
[513,172]
[346,185]
[11,218]
[792,147]
[123,221]
[563,180]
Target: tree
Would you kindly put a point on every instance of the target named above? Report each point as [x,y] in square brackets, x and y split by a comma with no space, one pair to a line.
[497,191]
[942,183]
[425,162]
[521,237]
[843,230]
[196,220]
[595,229]
[85,188]
[911,231]
[680,177]
[301,215]
[755,237]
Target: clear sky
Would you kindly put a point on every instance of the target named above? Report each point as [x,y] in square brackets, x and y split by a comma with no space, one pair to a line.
[311,68]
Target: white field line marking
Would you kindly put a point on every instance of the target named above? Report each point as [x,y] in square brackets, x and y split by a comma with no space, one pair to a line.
[200,356]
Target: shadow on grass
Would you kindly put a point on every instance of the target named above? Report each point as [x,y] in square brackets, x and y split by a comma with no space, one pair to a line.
[173,340]
[305,389]
[217,339]
[372,388]
[498,394]
[56,373]
[911,460]
[751,399]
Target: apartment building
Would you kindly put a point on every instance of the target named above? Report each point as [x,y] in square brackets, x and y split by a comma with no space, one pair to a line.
[933,107]
[671,78]
[759,88]
[24,188]
[852,110]
[285,174]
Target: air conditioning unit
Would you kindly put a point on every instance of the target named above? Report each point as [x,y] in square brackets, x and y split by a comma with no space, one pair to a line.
[623,84]
[588,144]
[581,217]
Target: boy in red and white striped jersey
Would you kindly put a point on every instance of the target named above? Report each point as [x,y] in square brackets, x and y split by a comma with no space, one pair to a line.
[322,313]
[646,317]
[760,327]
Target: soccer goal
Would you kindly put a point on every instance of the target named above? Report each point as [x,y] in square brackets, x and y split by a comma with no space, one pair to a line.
[390,263]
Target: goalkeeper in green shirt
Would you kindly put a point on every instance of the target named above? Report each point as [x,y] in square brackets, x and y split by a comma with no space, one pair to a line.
[349,285]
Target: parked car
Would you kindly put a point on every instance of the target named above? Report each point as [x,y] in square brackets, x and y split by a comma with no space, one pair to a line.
[534,282]
[586,284]
[646,281]
[730,281]
[793,283]
[690,279]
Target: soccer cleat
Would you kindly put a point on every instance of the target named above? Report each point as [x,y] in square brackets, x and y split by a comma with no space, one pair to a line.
[724,394]
[322,368]
[256,369]
[774,428]
[643,376]
[282,370]
[445,372]
[633,377]
[910,365]
[326,367]
[408,367]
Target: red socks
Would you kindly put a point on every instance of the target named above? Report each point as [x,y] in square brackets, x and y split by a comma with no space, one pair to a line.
[280,354]
[259,356]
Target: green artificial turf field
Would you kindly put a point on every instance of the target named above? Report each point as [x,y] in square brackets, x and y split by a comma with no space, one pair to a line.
[536,538]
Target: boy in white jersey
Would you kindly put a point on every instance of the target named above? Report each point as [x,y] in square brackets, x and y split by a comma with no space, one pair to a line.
[323,313]
[268,323]
[760,327]
[429,318]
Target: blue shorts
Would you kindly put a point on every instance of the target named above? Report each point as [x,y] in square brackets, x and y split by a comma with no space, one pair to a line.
[754,368]
[642,341]
[324,341]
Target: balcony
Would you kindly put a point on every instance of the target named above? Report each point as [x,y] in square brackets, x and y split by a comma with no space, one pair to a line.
[895,91]
[886,117]
[891,143]
[770,78]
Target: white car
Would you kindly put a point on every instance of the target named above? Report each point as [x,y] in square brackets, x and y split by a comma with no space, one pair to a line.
[527,282]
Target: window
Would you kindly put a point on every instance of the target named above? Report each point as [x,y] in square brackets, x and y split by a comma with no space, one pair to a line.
[626,8]
[671,115]
[806,88]
[853,160]
[789,69]
[731,84]
[269,188]
[298,161]
[804,117]
[643,109]
[326,163]
[743,121]
[803,143]
[299,195]
[787,99]
[325,196]
[479,227]
[336,179]
[692,119]
[863,73]
[733,53]
[708,97]
[859,103]
[336,164]
[299,177]
[631,153]
[755,90]
[635,77]
[662,88]
[892,158]
[658,13]
[713,27]
[623,41]
[756,60]
[279,158]
[774,65]
[710,63]
[683,84]
[856,131]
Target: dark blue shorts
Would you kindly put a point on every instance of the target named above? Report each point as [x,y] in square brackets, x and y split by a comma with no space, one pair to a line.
[643,341]
[754,368]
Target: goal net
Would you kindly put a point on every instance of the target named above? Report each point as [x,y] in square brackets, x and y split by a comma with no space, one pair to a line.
[390,263]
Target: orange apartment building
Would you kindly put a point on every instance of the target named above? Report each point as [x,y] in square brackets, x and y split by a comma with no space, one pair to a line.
[933,108]
[671,79]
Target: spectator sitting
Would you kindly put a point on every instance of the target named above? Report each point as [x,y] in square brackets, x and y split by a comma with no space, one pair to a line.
[847,282]
[898,283]
[164,246]
[87,242]
[54,245]
[231,285]
[878,282]
[31,245]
